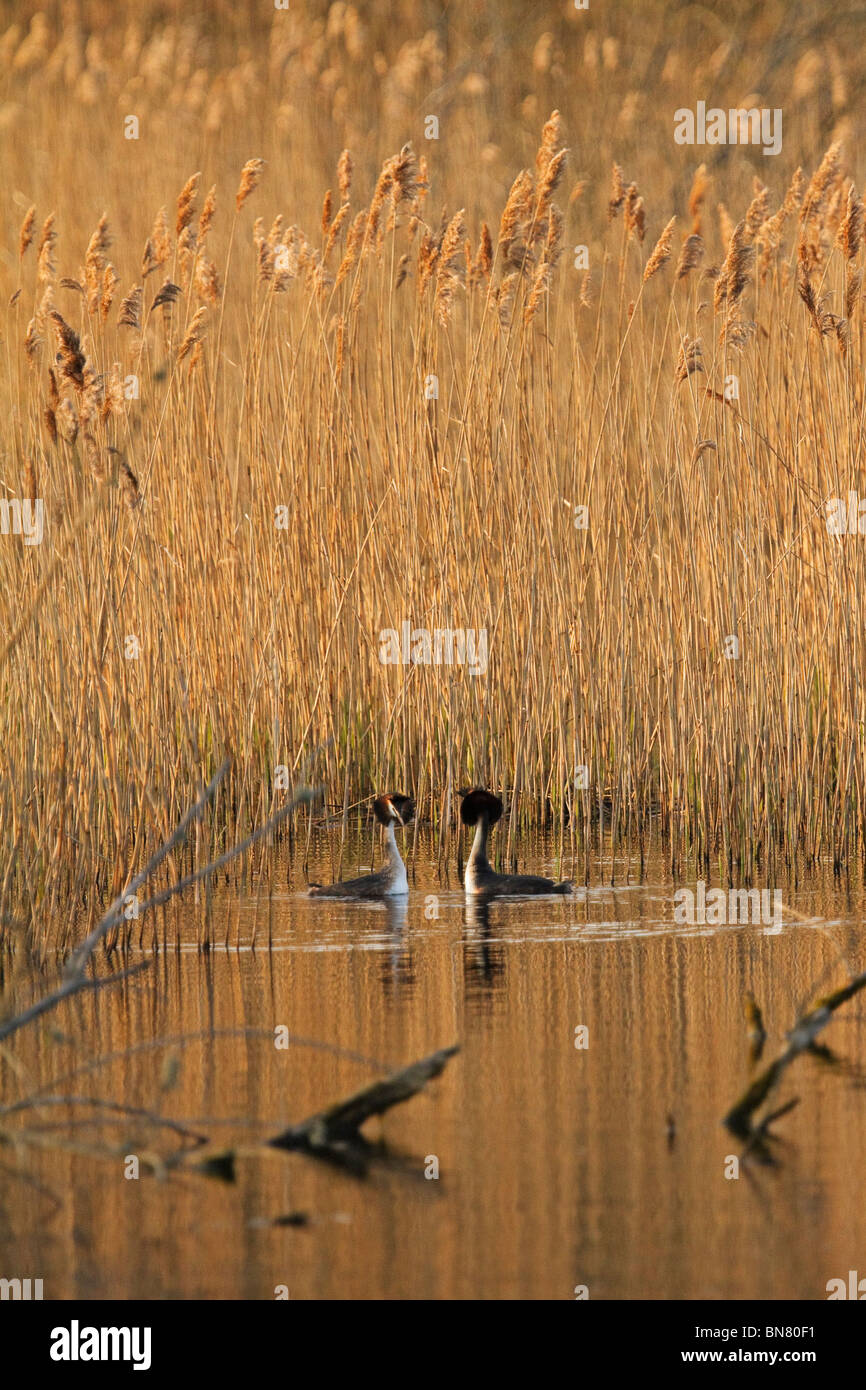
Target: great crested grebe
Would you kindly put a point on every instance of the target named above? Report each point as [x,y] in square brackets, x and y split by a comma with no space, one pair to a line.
[482,809]
[390,881]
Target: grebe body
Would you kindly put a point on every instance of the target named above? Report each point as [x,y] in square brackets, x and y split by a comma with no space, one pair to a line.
[482,809]
[390,881]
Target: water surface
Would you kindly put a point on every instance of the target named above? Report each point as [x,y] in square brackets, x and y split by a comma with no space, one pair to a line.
[559,1167]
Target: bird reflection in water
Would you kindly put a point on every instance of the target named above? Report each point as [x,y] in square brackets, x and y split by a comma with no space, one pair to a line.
[483,960]
[397,971]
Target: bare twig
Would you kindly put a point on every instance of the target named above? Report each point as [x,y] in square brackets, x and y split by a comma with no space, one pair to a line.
[115,1107]
[69,987]
[801,1037]
[78,960]
[75,978]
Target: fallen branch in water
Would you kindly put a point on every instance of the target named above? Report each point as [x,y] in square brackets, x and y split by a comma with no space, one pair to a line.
[80,957]
[801,1037]
[74,977]
[761,1131]
[72,986]
[334,1134]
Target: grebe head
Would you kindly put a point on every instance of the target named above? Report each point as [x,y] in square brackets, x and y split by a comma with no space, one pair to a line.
[395,807]
[477,803]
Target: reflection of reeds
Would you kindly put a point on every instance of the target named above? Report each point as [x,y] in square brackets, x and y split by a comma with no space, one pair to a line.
[164,453]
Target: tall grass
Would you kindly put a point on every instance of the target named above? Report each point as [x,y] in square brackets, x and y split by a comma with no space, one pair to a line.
[288,364]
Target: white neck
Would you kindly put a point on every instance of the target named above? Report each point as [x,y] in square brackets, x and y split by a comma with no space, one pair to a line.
[393,861]
[478,853]
[477,856]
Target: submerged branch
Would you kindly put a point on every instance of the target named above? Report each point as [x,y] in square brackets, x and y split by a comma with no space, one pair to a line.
[332,1134]
[335,1133]
[800,1039]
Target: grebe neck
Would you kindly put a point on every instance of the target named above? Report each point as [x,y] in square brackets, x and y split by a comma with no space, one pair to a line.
[478,853]
[395,869]
[392,854]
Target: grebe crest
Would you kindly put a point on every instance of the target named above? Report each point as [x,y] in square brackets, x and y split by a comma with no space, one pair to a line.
[394,807]
[478,802]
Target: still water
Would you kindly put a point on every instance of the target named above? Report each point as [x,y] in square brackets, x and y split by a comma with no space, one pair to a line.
[602,1166]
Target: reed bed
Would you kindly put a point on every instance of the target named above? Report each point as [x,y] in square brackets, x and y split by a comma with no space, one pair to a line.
[265,432]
